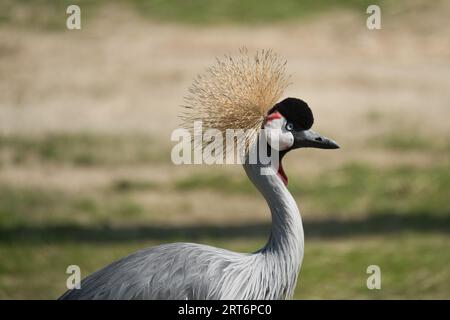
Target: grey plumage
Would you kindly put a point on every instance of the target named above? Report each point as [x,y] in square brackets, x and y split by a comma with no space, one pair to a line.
[194,271]
[240,94]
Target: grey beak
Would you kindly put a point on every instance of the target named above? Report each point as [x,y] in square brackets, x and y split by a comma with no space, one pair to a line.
[311,139]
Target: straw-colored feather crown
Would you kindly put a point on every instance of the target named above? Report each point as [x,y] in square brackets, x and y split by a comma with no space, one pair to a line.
[236,93]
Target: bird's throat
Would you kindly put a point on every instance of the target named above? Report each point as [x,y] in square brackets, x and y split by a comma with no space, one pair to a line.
[282,175]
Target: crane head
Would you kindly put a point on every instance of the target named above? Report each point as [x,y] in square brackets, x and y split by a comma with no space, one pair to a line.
[292,118]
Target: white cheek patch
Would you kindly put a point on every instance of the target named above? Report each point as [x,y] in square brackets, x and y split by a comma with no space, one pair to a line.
[275,129]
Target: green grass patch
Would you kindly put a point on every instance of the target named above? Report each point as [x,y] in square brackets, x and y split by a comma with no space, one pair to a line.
[52,15]
[354,188]
[216,182]
[236,11]
[402,226]
[130,185]
[49,15]
[374,116]
[81,149]
[34,206]
[403,141]
[360,188]
[412,266]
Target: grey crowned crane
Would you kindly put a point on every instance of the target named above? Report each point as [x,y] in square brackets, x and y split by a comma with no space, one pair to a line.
[240,92]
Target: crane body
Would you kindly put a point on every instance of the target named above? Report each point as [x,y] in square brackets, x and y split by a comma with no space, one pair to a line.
[194,271]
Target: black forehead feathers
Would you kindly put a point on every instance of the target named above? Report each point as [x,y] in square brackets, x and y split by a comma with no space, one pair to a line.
[295,111]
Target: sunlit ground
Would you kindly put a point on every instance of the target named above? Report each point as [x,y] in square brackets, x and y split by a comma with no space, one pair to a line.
[85,122]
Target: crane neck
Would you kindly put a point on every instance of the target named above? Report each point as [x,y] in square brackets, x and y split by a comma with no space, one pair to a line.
[286,236]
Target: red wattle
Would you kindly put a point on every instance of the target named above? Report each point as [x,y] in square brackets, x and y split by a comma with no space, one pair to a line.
[282,175]
[273,116]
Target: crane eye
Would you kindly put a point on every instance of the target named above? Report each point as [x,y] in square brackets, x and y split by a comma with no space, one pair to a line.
[289,126]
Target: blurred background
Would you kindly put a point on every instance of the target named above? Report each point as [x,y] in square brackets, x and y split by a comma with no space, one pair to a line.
[86,117]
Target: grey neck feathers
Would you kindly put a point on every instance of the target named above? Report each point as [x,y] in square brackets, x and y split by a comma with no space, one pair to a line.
[286,243]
